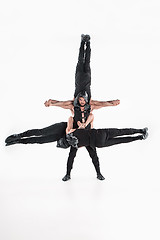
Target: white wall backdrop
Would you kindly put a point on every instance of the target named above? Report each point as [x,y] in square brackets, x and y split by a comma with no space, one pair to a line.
[39,42]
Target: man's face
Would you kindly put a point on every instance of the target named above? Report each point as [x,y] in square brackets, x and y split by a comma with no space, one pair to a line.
[82,102]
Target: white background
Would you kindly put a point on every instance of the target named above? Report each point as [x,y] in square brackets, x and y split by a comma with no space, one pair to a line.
[39,42]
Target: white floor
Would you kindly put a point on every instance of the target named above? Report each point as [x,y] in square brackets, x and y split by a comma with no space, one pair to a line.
[37,204]
[39,45]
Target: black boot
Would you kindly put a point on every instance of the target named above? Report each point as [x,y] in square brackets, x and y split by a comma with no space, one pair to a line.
[97,167]
[82,38]
[100,177]
[12,138]
[12,142]
[87,38]
[145,133]
[66,178]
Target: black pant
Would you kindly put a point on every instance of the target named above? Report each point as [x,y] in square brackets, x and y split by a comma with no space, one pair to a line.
[93,154]
[44,135]
[110,136]
[83,71]
[101,138]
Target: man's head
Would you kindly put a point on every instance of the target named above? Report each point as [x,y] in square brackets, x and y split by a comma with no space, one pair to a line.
[82,101]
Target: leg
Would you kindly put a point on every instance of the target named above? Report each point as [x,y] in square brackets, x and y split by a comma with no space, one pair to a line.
[79,69]
[83,73]
[70,161]
[31,140]
[103,135]
[119,140]
[110,136]
[114,132]
[79,66]
[87,69]
[57,129]
[69,125]
[87,58]
[93,154]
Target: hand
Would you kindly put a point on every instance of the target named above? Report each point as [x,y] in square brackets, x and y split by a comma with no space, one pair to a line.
[49,102]
[116,102]
[81,125]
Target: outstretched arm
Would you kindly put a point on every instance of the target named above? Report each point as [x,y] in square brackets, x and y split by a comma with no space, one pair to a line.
[99,104]
[63,104]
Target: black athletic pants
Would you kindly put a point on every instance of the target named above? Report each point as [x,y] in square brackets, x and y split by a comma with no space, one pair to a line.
[112,136]
[102,138]
[44,135]
[93,154]
[83,71]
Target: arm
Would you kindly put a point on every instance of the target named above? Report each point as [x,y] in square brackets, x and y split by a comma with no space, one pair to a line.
[63,104]
[99,104]
[70,129]
[90,120]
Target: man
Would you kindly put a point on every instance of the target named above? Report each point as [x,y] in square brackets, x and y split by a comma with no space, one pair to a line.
[104,137]
[82,105]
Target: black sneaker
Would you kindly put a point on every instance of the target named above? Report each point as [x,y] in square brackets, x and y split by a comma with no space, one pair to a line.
[145,133]
[12,142]
[66,178]
[100,177]
[87,38]
[83,37]
[12,138]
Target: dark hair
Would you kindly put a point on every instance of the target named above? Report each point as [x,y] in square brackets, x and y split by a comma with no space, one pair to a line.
[83,94]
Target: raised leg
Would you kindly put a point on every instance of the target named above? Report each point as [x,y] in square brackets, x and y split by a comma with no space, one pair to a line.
[83,72]
[87,68]
[119,140]
[111,136]
[57,129]
[79,66]
[31,140]
[115,132]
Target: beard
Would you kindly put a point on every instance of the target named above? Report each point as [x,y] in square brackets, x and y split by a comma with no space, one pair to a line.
[82,105]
